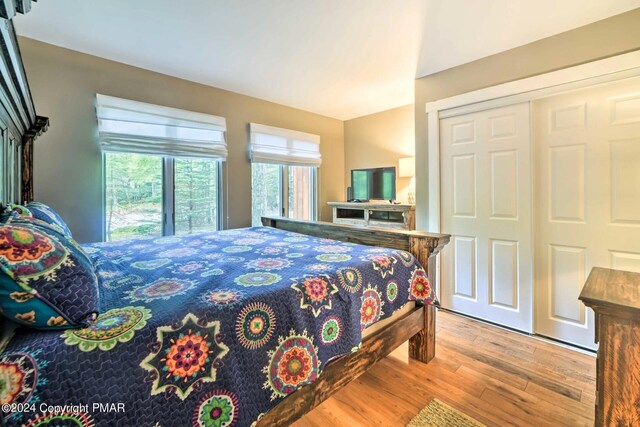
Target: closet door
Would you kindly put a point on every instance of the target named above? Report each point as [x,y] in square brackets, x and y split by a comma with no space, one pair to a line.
[486,269]
[587,210]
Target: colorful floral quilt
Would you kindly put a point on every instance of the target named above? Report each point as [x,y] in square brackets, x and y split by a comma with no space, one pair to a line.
[208,330]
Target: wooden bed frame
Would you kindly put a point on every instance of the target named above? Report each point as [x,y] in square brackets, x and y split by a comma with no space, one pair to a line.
[20,126]
[418,326]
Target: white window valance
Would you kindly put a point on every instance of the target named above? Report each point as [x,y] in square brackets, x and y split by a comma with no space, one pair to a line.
[283,146]
[137,127]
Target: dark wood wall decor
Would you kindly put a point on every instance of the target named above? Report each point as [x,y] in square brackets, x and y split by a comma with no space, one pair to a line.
[19,124]
[614,295]
[418,326]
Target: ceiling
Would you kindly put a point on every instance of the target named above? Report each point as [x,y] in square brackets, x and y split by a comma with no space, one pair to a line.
[339,58]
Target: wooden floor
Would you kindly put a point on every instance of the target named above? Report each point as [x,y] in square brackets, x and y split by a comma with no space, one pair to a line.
[495,376]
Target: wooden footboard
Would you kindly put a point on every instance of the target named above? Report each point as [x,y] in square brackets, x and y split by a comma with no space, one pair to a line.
[418,326]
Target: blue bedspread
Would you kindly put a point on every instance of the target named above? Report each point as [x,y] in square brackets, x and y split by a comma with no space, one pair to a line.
[210,329]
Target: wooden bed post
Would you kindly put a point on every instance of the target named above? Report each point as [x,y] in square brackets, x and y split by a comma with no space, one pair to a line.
[422,346]
[40,125]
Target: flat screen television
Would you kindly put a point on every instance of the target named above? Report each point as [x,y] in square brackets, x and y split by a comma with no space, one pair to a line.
[376,184]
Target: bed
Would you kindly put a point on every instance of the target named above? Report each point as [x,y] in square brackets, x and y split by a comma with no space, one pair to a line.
[249,326]
[212,329]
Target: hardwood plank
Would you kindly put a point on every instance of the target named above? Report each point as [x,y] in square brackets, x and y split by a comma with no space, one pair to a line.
[526,361]
[392,392]
[493,372]
[578,408]
[525,402]
[369,388]
[454,394]
[528,371]
[525,409]
[582,364]
[515,340]
[465,332]
[574,368]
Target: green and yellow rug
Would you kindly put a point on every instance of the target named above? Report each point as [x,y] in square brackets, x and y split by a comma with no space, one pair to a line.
[439,414]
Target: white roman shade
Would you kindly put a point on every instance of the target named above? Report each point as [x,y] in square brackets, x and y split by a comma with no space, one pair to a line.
[127,126]
[283,146]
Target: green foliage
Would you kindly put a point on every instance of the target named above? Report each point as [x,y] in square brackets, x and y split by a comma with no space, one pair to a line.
[132,231]
[265,191]
[134,177]
[134,194]
[196,195]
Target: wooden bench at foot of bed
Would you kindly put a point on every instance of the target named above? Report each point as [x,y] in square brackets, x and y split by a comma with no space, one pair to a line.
[418,326]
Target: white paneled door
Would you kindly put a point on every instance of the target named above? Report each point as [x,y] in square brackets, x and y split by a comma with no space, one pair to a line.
[587,201]
[486,207]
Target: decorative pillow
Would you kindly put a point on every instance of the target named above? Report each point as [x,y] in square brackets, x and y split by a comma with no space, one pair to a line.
[45,213]
[46,279]
[14,210]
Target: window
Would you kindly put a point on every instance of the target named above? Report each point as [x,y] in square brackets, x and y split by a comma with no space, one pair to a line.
[272,195]
[266,191]
[139,189]
[195,195]
[302,186]
[283,173]
[162,169]
[133,196]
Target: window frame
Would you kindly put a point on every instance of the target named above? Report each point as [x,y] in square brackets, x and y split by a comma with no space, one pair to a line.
[168,195]
[313,191]
[283,193]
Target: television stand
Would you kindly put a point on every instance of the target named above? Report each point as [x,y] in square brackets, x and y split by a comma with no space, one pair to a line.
[372,214]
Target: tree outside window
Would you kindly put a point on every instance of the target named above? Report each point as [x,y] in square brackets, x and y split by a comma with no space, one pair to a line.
[135,191]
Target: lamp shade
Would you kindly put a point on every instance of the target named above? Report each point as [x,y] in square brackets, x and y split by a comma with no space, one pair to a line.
[407,167]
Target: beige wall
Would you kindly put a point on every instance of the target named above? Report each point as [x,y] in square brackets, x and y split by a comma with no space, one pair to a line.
[379,140]
[68,165]
[609,37]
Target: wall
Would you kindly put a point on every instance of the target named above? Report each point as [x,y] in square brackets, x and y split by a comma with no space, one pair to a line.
[68,165]
[378,140]
[602,39]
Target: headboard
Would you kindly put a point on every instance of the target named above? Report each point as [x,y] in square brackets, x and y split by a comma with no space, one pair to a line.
[19,124]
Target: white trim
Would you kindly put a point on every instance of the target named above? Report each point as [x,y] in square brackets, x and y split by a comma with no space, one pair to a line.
[552,82]
[313,183]
[220,220]
[168,196]
[433,134]
[284,190]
